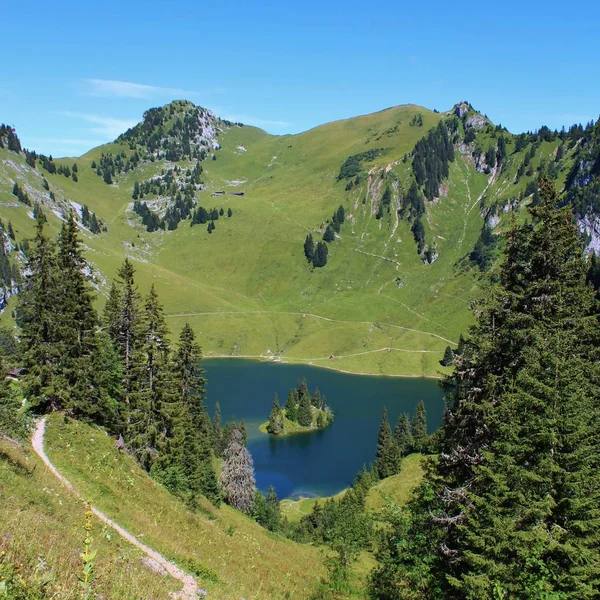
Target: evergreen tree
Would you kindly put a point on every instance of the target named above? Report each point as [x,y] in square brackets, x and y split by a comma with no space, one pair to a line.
[237,476]
[291,405]
[511,508]
[316,398]
[403,434]
[155,380]
[329,234]
[36,318]
[304,417]
[419,428]
[448,358]
[309,248]
[320,255]
[275,424]
[387,459]
[76,325]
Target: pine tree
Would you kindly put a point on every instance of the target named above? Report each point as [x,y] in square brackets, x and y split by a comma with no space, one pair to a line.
[275,424]
[448,358]
[316,398]
[36,318]
[304,410]
[387,458]
[155,379]
[76,325]
[237,476]
[419,428]
[291,405]
[329,234]
[309,248]
[403,434]
[123,315]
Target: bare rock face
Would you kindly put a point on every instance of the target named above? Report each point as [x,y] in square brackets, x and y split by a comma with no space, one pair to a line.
[461,109]
[477,121]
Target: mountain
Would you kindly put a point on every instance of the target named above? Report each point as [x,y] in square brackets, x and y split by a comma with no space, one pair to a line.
[217,215]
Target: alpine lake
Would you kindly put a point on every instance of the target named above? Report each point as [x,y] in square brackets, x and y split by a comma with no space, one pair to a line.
[319,463]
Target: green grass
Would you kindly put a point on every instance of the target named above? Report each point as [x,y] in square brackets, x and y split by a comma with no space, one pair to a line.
[247,289]
[230,554]
[42,531]
[397,489]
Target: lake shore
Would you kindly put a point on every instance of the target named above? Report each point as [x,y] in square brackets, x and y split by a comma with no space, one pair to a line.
[261,358]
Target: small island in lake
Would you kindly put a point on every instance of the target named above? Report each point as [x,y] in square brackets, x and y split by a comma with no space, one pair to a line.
[302,412]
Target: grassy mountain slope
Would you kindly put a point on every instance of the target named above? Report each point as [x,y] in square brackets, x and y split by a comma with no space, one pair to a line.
[247,288]
[229,553]
[42,537]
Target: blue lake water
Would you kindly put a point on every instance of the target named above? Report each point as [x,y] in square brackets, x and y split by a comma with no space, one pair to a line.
[324,462]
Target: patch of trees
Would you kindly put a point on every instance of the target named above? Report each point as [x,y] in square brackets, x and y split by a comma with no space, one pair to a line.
[417,120]
[384,203]
[301,407]
[91,221]
[171,182]
[431,158]
[583,181]
[9,138]
[484,251]
[352,166]
[410,435]
[317,254]
[110,165]
[202,215]
[519,428]
[21,194]
[174,132]
[122,371]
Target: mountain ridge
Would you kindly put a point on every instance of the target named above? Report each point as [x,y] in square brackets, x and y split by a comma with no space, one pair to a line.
[403,254]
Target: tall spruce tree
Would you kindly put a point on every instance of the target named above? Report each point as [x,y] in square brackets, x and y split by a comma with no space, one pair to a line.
[419,428]
[36,318]
[304,410]
[76,325]
[123,319]
[190,381]
[511,508]
[275,424]
[403,434]
[155,380]
[387,458]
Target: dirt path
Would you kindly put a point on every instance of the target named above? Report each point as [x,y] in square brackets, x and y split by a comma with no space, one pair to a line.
[190,590]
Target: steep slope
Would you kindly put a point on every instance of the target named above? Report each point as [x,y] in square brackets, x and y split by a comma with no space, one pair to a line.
[230,554]
[378,305]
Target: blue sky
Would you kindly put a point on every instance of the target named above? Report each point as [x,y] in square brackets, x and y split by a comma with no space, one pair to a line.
[74,75]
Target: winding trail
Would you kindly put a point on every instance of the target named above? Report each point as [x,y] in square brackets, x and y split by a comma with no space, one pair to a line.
[190,590]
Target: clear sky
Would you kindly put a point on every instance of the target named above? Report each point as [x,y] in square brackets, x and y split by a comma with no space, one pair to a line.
[73,75]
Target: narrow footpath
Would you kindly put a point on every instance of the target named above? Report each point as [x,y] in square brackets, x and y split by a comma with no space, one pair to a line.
[190,590]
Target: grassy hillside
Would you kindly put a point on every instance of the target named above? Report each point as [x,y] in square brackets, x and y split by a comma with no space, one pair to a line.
[231,555]
[247,289]
[42,537]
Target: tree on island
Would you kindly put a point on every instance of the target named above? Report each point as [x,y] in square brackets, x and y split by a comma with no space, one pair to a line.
[305,410]
[275,425]
[237,477]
